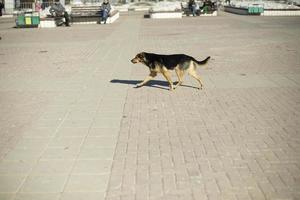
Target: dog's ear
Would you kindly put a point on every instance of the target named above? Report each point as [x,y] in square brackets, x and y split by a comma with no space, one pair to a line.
[142,56]
[138,55]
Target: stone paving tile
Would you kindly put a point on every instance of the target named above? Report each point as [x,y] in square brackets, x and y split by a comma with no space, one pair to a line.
[66,142]
[65,153]
[72,131]
[15,167]
[37,196]
[26,155]
[40,133]
[99,142]
[83,196]
[103,132]
[54,167]
[100,123]
[92,167]
[44,184]
[10,183]
[96,154]
[87,183]
[33,143]
[76,123]
[44,123]
[7,196]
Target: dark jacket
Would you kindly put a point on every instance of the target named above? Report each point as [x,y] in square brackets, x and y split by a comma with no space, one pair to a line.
[58,9]
[192,3]
[106,7]
[1,5]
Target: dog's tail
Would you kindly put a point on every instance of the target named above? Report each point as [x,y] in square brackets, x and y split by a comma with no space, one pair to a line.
[202,62]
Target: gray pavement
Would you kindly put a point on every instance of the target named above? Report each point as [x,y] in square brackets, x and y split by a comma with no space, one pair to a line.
[73,126]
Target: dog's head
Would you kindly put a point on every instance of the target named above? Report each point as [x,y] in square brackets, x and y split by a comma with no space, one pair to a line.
[139,58]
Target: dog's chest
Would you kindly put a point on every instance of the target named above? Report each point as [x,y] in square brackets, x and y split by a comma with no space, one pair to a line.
[157,67]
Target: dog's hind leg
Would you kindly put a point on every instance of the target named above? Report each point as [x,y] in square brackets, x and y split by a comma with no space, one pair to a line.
[179,74]
[194,74]
[167,75]
[147,79]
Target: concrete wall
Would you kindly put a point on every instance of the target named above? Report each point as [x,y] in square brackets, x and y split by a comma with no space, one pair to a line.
[267,12]
[9,6]
[281,13]
[240,11]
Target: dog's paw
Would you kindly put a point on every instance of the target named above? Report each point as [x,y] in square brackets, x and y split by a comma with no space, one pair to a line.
[138,85]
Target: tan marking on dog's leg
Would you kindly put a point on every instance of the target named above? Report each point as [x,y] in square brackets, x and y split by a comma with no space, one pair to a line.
[147,79]
[179,74]
[167,75]
[194,74]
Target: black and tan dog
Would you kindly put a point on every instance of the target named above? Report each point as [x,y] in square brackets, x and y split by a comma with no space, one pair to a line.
[157,63]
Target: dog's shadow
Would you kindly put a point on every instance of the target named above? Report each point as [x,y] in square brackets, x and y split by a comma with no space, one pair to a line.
[153,83]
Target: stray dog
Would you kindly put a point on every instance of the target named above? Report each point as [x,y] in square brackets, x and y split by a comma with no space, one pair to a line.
[163,63]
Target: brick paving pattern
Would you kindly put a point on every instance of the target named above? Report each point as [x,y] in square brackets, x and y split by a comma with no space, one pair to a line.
[73,126]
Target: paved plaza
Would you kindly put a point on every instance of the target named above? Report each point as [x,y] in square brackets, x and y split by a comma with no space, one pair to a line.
[73,127]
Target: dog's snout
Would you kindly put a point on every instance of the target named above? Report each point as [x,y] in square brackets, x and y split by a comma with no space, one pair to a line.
[134,60]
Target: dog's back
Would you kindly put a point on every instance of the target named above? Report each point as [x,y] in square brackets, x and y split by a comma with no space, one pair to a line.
[173,60]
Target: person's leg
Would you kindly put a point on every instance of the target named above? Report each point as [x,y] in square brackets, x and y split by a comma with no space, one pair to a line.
[66,15]
[191,9]
[194,10]
[105,15]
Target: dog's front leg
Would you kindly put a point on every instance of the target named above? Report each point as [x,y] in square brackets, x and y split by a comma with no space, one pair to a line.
[147,79]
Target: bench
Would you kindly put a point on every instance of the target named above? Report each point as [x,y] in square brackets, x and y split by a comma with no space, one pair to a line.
[88,14]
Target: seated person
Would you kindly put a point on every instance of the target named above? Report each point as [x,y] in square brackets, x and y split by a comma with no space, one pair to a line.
[192,7]
[105,9]
[209,6]
[59,10]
